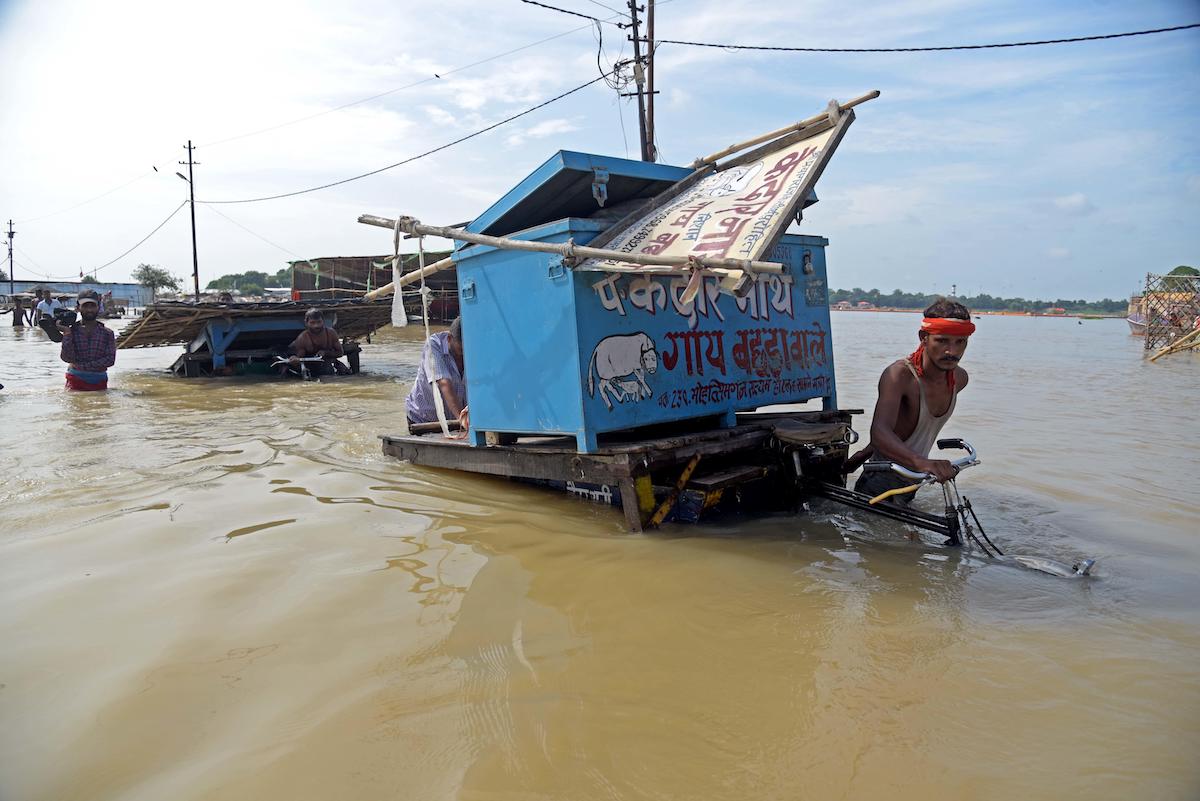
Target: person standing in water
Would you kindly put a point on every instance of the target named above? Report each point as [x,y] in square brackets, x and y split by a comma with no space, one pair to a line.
[89,347]
[917,395]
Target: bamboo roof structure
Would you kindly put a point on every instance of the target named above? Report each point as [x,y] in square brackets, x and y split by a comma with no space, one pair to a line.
[178,323]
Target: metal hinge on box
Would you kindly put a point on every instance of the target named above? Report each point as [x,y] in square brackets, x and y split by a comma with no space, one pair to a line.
[600,185]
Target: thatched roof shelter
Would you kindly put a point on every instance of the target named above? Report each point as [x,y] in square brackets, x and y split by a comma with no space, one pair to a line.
[178,323]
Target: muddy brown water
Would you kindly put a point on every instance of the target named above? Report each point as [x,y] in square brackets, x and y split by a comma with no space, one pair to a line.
[223,590]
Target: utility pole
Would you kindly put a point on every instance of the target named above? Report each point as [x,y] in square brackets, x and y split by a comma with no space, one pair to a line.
[192,203]
[11,271]
[639,77]
[653,151]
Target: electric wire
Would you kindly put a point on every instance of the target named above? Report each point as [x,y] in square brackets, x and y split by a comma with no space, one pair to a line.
[82,203]
[606,8]
[572,13]
[436,77]
[411,159]
[927,49]
[298,120]
[141,242]
[256,235]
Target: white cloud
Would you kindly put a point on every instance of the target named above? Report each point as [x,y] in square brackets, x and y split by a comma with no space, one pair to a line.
[541,131]
[1075,203]
[439,116]
[1059,253]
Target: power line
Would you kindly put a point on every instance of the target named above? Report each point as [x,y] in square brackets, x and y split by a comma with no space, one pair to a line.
[607,8]
[925,49]
[258,236]
[430,152]
[140,242]
[91,199]
[360,101]
[572,13]
[436,77]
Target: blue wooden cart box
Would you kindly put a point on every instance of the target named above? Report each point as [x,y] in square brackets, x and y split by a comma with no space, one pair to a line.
[554,350]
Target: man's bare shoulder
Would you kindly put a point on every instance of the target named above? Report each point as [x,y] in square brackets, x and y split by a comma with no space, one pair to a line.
[961,378]
[897,372]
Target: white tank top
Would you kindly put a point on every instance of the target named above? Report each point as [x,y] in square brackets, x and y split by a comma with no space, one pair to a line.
[923,437]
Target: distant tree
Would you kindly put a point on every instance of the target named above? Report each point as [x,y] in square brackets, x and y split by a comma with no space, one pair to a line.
[155,277]
[252,279]
[3,275]
[1181,284]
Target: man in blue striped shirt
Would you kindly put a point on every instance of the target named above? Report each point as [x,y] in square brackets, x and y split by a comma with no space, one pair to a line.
[440,371]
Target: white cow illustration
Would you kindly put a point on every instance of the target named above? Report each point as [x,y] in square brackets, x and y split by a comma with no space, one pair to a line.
[617,357]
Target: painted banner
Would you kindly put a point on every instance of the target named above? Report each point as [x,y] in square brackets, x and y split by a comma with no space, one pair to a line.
[735,213]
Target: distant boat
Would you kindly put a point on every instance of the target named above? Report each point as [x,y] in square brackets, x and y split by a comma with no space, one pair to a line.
[1136,316]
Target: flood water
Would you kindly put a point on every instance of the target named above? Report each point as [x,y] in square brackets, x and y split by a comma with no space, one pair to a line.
[221,589]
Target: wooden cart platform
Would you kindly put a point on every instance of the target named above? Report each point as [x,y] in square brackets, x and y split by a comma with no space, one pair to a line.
[682,474]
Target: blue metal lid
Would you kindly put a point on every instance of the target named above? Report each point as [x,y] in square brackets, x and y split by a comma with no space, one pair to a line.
[571,184]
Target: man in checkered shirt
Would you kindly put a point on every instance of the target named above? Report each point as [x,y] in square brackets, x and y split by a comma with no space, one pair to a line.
[89,348]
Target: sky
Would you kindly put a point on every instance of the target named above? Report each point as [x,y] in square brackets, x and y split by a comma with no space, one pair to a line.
[1064,171]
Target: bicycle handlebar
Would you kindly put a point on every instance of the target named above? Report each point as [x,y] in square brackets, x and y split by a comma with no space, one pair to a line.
[943,444]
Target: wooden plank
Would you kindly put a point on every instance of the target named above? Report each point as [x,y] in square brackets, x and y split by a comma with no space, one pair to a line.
[629,505]
[732,477]
[508,461]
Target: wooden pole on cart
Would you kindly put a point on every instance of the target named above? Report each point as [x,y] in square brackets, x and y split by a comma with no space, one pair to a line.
[650,263]
[409,278]
[778,132]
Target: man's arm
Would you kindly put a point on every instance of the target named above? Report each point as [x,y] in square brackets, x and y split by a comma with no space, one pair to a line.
[67,352]
[884,440]
[451,402]
[299,347]
[109,357]
[337,350]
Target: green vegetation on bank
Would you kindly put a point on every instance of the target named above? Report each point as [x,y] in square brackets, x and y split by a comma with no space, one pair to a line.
[252,282]
[898,299]
[910,300]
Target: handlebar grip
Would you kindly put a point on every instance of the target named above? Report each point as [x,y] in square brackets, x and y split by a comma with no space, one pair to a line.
[952,442]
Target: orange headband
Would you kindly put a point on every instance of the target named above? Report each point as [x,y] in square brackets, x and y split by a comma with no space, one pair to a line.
[950,326]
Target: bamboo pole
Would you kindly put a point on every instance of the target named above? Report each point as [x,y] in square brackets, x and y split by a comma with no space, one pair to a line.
[778,132]
[569,250]
[1185,342]
[410,278]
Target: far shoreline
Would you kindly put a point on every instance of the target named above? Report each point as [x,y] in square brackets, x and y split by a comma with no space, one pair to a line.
[1083,315]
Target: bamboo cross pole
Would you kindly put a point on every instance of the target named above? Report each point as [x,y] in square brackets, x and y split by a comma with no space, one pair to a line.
[650,263]
[778,132]
[1185,342]
[410,278]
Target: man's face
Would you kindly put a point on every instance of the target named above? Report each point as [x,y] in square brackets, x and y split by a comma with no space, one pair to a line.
[88,310]
[944,351]
[456,348]
[315,325]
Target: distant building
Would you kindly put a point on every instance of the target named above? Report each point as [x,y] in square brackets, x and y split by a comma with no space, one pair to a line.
[126,295]
[865,304]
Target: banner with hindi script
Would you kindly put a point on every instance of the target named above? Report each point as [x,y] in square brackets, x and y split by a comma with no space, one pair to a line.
[737,212]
